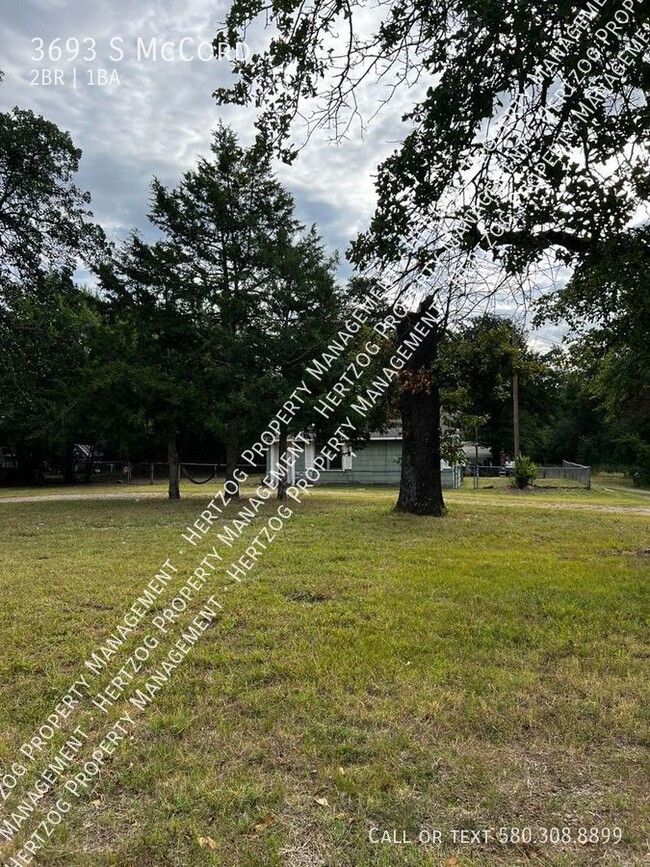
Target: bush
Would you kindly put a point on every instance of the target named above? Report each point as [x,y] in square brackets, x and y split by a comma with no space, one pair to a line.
[640,472]
[525,472]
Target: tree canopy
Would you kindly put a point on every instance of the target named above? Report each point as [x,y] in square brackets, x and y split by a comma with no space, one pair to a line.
[227,302]
[524,146]
[44,218]
[522,109]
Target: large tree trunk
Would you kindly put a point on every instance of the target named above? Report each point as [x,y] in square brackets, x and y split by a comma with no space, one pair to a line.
[282,469]
[420,490]
[232,455]
[174,466]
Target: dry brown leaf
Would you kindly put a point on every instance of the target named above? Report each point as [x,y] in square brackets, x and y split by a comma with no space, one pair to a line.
[97,803]
[207,841]
[323,802]
[452,862]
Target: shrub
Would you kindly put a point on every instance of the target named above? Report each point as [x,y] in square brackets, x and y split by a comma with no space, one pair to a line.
[640,472]
[525,472]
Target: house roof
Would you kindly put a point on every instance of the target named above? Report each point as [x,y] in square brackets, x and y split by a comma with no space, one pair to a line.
[392,432]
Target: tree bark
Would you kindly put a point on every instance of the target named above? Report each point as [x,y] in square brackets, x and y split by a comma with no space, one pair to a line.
[174,466]
[232,454]
[420,490]
[282,469]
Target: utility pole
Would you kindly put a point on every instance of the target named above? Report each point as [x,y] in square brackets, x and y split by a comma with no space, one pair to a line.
[515,412]
[515,393]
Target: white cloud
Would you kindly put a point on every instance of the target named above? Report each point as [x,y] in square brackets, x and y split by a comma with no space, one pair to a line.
[161,115]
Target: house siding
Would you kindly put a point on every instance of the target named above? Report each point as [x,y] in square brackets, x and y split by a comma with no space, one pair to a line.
[377,463]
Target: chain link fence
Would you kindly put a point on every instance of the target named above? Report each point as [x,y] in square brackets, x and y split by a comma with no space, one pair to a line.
[569,475]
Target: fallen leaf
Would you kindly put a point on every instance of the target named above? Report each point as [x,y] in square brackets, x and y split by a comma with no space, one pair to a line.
[97,803]
[452,862]
[207,841]
[323,802]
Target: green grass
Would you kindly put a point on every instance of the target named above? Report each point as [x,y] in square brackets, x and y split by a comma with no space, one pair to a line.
[375,670]
[608,477]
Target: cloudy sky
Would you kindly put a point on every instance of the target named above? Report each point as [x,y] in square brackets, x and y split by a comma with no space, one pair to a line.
[111,73]
[158,117]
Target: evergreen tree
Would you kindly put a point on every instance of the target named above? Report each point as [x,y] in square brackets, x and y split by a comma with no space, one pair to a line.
[226,304]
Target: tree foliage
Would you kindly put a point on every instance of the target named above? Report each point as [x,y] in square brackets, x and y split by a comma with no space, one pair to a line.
[525,108]
[227,303]
[528,135]
[44,357]
[44,217]
[607,306]
[478,362]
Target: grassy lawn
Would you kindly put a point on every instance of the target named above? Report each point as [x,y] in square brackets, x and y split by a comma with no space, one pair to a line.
[604,477]
[547,490]
[374,671]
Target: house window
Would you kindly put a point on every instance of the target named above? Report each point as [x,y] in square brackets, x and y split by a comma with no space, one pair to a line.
[335,463]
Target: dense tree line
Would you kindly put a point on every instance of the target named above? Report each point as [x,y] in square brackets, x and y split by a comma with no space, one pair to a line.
[192,337]
[565,412]
[196,334]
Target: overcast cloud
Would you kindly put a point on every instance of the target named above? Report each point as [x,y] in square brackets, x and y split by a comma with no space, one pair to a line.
[160,116]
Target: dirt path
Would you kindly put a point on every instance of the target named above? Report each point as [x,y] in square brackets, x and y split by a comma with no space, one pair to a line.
[60,498]
[615,490]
